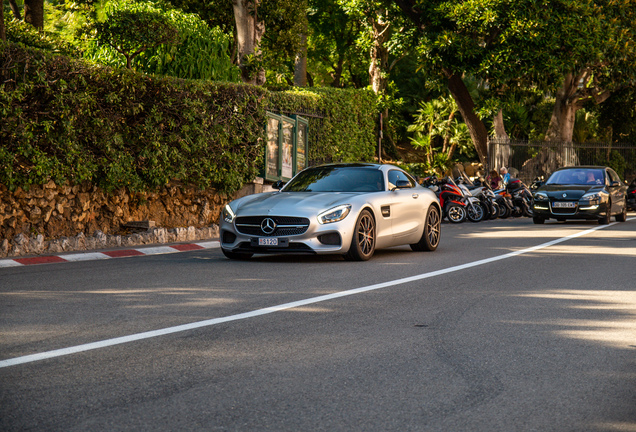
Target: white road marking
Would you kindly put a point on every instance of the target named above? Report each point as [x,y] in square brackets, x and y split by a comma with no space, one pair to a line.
[282,307]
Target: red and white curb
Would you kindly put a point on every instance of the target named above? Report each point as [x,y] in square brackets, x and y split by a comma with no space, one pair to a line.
[119,253]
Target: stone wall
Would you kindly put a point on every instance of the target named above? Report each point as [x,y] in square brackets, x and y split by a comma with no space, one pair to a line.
[54,218]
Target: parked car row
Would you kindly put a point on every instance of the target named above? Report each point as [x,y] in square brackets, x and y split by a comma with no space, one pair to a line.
[354,209]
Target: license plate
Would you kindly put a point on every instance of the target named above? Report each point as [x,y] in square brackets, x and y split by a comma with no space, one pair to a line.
[563,205]
[268,241]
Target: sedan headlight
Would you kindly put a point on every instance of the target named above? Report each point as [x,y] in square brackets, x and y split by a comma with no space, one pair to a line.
[228,214]
[592,198]
[335,214]
[540,196]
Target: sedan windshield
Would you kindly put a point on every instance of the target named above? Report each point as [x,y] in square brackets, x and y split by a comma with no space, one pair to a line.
[577,177]
[337,179]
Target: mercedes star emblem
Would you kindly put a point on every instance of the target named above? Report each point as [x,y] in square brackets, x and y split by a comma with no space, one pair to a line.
[268,225]
[565,195]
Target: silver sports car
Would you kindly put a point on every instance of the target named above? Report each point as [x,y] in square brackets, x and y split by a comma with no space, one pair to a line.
[348,209]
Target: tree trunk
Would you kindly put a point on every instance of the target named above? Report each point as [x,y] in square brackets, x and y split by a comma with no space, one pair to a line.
[3,35]
[500,128]
[466,106]
[300,66]
[561,125]
[34,13]
[15,9]
[379,53]
[249,32]
[500,148]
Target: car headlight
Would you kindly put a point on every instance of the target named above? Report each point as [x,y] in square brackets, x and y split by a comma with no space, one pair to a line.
[540,196]
[228,214]
[593,198]
[335,214]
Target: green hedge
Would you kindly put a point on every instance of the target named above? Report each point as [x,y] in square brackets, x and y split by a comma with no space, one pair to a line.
[68,120]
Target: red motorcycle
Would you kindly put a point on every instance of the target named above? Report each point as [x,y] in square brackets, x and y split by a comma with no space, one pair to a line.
[450,198]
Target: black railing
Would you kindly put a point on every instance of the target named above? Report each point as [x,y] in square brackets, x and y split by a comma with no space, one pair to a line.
[529,160]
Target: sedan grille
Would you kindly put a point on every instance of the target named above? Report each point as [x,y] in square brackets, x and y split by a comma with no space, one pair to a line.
[271,225]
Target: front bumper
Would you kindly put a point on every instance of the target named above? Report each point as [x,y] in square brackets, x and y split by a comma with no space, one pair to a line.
[549,210]
[332,238]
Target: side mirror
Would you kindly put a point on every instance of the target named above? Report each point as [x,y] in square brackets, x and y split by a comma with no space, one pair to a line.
[278,185]
[402,184]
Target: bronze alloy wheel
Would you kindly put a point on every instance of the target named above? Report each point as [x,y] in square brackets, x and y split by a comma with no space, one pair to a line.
[432,231]
[363,241]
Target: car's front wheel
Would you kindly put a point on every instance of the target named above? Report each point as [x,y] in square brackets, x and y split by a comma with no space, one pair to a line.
[432,231]
[622,216]
[608,214]
[538,220]
[363,241]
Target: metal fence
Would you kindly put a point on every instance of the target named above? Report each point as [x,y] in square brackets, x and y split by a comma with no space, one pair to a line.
[529,160]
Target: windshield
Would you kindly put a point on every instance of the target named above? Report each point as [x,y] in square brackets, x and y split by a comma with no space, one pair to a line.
[579,176]
[337,179]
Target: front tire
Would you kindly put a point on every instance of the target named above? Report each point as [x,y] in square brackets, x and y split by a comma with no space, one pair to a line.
[538,220]
[475,213]
[622,216]
[432,231]
[455,213]
[608,214]
[363,241]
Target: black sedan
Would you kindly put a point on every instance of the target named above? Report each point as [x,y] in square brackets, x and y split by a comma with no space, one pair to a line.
[581,192]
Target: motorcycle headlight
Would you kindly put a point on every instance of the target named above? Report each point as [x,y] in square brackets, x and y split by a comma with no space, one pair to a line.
[540,196]
[335,214]
[228,214]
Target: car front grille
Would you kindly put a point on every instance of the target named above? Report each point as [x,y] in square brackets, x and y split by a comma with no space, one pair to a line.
[284,225]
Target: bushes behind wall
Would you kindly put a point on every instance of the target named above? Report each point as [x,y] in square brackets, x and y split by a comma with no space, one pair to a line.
[70,121]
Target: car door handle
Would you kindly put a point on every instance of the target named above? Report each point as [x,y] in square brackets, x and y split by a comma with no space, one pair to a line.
[415,196]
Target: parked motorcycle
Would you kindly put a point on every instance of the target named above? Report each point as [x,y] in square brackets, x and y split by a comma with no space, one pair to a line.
[481,192]
[474,210]
[450,198]
[521,197]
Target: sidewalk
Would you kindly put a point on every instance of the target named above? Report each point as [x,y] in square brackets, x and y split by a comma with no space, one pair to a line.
[108,254]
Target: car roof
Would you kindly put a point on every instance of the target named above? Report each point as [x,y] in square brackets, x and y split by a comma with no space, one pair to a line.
[581,167]
[349,164]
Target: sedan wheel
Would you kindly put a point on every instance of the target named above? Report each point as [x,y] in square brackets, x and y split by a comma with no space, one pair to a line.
[432,231]
[606,219]
[622,216]
[363,241]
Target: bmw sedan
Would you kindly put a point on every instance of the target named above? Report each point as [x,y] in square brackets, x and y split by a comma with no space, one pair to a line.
[347,209]
[581,192]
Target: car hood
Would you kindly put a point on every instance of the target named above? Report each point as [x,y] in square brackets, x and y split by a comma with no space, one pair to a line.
[290,203]
[572,191]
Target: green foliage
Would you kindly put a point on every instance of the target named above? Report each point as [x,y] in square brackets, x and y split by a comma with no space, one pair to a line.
[617,162]
[133,31]
[438,130]
[345,128]
[202,52]
[68,120]
[26,34]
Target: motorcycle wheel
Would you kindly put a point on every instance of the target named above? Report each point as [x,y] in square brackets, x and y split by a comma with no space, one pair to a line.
[504,212]
[495,211]
[455,213]
[475,213]
[487,212]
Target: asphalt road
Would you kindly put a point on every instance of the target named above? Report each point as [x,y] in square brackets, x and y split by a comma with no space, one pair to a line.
[508,326]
